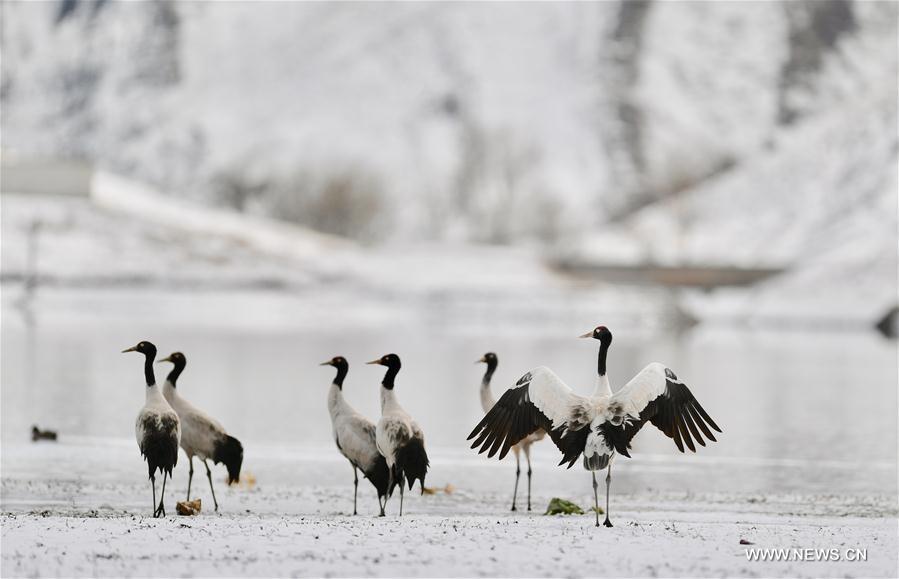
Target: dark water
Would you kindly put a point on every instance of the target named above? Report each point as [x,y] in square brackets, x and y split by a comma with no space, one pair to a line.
[809,412]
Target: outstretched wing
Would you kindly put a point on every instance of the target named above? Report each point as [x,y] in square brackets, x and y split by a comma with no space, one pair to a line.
[539,400]
[657,396]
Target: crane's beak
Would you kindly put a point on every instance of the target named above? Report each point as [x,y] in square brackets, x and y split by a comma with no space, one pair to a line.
[131,349]
[481,361]
[328,363]
[587,335]
[166,359]
[378,361]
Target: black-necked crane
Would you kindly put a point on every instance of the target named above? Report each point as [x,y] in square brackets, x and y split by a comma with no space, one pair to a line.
[487,402]
[399,438]
[201,435]
[597,426]
[354,435]
[157,428]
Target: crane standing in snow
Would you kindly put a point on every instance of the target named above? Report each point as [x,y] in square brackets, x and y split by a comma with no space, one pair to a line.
[355,437]
[399,438]
[487,402]
[202,436]
[598,426]
[157,428]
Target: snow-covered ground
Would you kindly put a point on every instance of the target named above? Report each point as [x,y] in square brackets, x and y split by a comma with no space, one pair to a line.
[81,508]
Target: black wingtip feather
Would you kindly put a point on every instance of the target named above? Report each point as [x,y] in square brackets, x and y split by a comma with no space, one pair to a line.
[498,428]
[676,436]
[514,417]
[705,415]
[685,434]
[480,439]
[699,422]
[675,412]
[688,420]
[480,427]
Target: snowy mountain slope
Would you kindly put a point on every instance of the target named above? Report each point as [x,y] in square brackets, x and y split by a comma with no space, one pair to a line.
[485,122]
[800,196]
[740,134]
[80,244]
[129,254]
[708,86]
[820,203]
[308,94]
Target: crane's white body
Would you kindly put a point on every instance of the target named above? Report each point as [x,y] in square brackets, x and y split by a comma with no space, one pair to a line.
[558,401]
[151,420]
[353,433]
[395,428]
[158,432]
[567,409]
[199,432]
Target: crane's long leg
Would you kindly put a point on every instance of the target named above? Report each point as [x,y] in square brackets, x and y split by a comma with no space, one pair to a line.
[402,488]
[153,482]
[527,455]
[161,508]
[517,475]
[355,487]
[595,497]
[389,487]
[607,523]
[190,474]
[382,502]
[209,476]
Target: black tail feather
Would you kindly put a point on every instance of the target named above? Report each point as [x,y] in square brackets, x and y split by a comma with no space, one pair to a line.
[596,461]
[161,452]
[229,451]
[412,462]
[379,476]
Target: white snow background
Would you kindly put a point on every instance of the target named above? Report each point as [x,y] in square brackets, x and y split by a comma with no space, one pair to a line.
[275,183]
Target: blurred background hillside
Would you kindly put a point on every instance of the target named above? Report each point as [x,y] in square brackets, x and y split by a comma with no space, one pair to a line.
[734,134]
[265,185]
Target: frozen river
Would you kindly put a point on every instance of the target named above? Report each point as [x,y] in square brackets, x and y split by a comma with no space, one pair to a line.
[801,412]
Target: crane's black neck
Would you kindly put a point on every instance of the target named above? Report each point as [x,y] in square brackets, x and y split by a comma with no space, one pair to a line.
[387,382]
[342,370]
[148,368]
[176,371]
[603,352]
[488,375]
